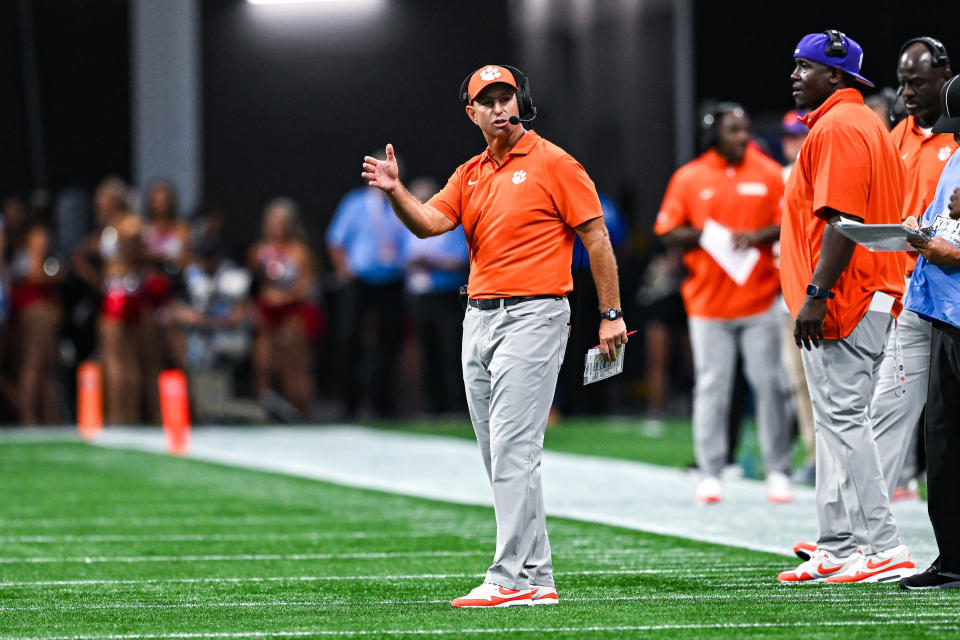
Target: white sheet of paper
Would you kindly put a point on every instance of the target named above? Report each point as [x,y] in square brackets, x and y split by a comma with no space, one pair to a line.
[717,241]
[595,368]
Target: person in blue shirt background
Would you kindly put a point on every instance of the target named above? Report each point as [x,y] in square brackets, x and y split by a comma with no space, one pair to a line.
[934,294]
[572,397]
[435,268]
[365,241]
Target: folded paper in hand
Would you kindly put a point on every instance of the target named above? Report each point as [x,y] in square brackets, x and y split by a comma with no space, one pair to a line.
[596,367]
[717,241]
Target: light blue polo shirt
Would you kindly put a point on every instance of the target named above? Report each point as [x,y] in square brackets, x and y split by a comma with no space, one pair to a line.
[366,228]
[934,292]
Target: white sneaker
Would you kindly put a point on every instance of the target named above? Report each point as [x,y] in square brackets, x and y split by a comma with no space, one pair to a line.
[709,490]
[819,567]
[544,595]
[886,566]
[493,595]
[779,489]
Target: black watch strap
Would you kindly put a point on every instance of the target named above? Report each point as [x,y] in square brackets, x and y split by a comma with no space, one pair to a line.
[611,314]
[817,292]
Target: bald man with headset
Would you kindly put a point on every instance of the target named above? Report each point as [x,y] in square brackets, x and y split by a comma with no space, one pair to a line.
[520,202]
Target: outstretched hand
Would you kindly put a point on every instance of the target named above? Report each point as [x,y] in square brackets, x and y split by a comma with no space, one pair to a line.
[383,174]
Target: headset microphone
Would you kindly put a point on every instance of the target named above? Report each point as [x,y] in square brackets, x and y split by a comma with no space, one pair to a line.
[514,120]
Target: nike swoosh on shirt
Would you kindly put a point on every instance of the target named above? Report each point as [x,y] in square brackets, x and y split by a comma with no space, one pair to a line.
[472,182]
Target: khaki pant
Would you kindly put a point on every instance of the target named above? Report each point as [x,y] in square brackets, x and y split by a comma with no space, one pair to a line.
[511,358]
[853,506]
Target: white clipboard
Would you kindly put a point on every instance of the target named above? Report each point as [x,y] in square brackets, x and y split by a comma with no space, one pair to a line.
[881,237]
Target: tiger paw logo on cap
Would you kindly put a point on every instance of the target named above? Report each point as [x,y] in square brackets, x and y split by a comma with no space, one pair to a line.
[490,73]
[519,176]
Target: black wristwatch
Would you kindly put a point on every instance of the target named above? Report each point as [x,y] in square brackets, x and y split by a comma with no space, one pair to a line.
[611,314]
[816,292]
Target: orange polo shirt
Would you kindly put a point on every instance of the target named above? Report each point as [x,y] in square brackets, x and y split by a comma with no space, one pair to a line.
[743,197]
[518,217]
[924,157]
[847,163]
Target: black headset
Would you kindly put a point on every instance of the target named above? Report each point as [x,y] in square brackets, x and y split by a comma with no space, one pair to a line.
[838,46]
[524,99]
[710,116]
[940,57]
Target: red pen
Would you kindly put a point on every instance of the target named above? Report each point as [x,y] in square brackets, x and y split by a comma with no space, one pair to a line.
[629,333]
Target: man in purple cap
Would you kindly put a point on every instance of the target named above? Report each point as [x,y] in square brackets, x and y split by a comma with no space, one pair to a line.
[844,299]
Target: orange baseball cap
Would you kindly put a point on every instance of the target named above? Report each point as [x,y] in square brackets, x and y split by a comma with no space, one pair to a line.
[485,76]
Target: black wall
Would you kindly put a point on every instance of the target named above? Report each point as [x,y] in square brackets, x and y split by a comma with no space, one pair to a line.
[292,101]
[81,56]
[744,49]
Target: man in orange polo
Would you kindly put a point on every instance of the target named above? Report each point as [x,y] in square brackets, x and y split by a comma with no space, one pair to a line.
[923,69]
[844,299]
[520,202]
[731,192]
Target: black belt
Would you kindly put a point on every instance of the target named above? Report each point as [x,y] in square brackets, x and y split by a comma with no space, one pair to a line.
[485,304]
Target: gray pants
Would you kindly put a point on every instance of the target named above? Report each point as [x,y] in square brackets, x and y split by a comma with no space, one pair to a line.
[511,358]
[895,417]
[715,344]
[853,506]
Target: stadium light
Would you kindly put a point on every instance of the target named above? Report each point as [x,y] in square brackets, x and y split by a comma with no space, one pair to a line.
[317,2]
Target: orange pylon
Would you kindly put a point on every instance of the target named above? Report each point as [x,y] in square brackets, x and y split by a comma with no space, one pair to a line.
[89,400]
[175,410]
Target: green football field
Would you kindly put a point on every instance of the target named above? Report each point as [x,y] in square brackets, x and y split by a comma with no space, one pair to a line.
[100,543]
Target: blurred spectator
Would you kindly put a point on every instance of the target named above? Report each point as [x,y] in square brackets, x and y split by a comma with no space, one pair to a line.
[886,105]
[792,134]
[720,208]
[364,240]
[35,272]
[436,267]
[110,260]
[166,241]
[286,315]
[572,396]
[665,334]
[217,320]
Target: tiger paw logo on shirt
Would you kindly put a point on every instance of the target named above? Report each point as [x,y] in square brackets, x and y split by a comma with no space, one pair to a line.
[519,176]
[490,73]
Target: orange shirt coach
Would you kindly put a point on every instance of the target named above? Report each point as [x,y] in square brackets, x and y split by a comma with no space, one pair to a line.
[741,197]
[925,154]
[518,217]
[842,166]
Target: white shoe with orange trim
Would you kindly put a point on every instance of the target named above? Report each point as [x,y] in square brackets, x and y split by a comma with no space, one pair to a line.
[819,567]
[886,566]
[544,595]
[779,489]
[709,490]
[493,595]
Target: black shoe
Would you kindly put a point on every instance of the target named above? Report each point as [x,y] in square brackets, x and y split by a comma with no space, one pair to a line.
[931,579]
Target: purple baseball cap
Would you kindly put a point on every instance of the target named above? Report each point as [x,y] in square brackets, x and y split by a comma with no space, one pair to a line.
[833,49]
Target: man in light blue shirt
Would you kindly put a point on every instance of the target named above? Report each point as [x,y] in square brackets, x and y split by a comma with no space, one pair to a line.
[435,269]
[934,294]
[365,242]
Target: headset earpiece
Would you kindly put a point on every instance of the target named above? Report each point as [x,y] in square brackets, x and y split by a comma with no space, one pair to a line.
[710,116]
[837,47]
[939,52]
[524,99]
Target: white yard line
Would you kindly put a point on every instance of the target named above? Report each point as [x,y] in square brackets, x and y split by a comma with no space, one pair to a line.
[367,578]
[819,596]
[615,492]
[302,633]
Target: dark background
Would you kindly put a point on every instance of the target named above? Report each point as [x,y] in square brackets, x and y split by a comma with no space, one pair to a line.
[291,104]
